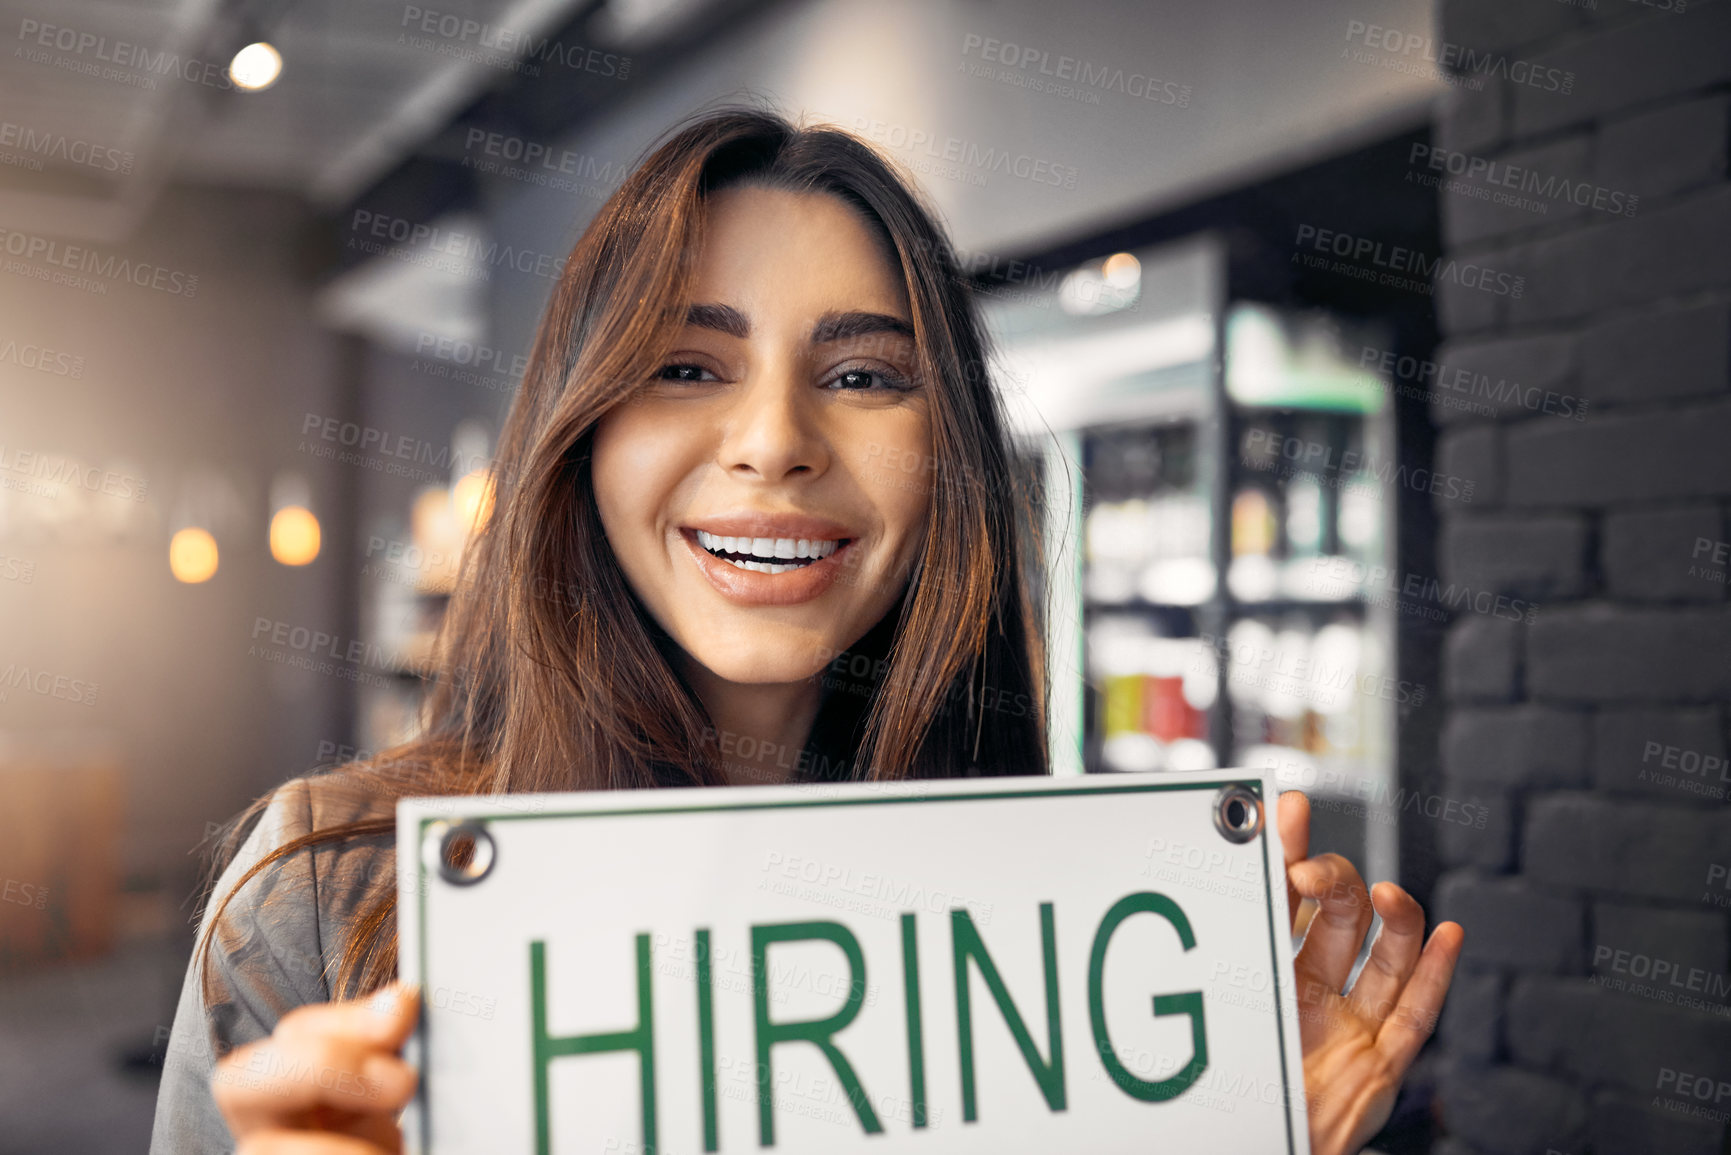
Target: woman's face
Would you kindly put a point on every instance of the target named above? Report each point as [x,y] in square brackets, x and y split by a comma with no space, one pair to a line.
[738,489]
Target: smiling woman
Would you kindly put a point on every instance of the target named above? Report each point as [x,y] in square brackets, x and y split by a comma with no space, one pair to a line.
[737,491]
[758,315]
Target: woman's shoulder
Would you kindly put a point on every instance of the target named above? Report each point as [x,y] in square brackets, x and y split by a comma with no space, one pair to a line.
[291,894]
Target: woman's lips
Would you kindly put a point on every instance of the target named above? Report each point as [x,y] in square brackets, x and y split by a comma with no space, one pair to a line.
[752,588]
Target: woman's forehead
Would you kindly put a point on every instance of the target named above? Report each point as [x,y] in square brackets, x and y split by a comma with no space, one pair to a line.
[809,252]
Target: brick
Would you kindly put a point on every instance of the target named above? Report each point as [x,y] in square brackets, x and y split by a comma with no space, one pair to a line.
[1482,659]
[1488,842]
[1637,751]
[1531,556]
[1603,653]
[1472,1015]
[1667,151]
[1492,25]
[1657,355]
[1573,1027]
[1477,452]
[1473,119]
[1512,923]
[1633,456]
[1625,1125]
[1664,555]
[1516,746]
[1511,377]
[1513,1112]
[1620,67]
[1621,847]
[1461,308]
[1518,190]
[1685,952]
[1677,248]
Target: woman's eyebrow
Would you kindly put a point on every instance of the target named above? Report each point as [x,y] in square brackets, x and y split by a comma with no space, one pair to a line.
[841,326]
[832,326]
[724,318]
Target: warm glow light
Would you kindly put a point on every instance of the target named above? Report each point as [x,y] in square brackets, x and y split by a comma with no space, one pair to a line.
[255,67]
[473,499]
[1121,270]
[192,555]
[294,536]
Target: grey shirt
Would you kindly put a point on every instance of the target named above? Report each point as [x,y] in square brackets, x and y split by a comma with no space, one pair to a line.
[277,946]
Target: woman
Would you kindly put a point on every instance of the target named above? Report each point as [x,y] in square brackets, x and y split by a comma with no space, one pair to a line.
[693,546]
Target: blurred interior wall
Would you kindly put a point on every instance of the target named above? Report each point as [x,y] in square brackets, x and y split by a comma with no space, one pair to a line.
[166,401]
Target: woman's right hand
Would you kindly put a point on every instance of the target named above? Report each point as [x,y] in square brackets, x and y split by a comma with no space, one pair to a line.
[328,1081]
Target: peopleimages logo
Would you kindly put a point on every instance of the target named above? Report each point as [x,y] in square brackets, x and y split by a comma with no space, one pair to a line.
[138,65]
[84,260]
[37,146]
[507,44]
[1550,187]
[1459,58]
[1062,74]
[1397,259]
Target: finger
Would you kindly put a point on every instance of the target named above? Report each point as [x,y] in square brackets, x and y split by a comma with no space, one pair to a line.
[1392,956]
[1336,934]
[1415,1016]
[381,1021]
[1292,812]
[305,1143]
[261,1086]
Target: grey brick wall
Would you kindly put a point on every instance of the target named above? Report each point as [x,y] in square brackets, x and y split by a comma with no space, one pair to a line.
[1592,1013]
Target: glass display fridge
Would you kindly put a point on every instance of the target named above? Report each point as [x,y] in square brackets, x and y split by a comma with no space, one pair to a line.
[1218,530]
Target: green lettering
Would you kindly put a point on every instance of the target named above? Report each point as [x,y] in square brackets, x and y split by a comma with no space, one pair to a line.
[706,1039]
[1188,1003]
[1049,1075]
[916,1036]
[814,1031]
[640,1038]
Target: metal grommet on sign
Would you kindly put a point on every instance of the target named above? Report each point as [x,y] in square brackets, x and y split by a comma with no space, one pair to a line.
[461,853]
[1237,813]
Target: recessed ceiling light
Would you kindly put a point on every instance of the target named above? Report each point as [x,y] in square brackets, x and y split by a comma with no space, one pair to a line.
[255,67]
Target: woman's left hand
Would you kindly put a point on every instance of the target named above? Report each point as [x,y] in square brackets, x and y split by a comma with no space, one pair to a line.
[1358,1045]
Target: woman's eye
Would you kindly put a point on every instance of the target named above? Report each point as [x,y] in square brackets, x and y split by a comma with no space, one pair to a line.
[694,373]
[870,379]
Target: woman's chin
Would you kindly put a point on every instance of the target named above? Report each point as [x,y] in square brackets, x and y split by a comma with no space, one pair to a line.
[768,665]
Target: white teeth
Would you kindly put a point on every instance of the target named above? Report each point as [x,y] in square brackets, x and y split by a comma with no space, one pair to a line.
[766,548]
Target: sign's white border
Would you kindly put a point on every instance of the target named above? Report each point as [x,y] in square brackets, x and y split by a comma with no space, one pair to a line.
[414,815]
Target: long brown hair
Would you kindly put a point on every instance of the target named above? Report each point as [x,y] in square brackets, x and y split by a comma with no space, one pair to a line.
[552,676]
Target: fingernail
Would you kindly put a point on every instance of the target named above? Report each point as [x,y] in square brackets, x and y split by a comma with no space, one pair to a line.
[387,999]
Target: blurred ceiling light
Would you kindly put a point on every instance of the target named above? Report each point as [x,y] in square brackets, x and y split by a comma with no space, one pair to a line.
[294,535]
[1122,270]
[192,555]
[472,498]
[1102,287]
[255,67]
[294,531]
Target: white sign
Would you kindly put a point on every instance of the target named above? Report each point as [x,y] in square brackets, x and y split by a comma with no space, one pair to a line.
[1078,965]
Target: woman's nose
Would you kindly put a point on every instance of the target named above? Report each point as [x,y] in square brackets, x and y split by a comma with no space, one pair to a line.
[772,431]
